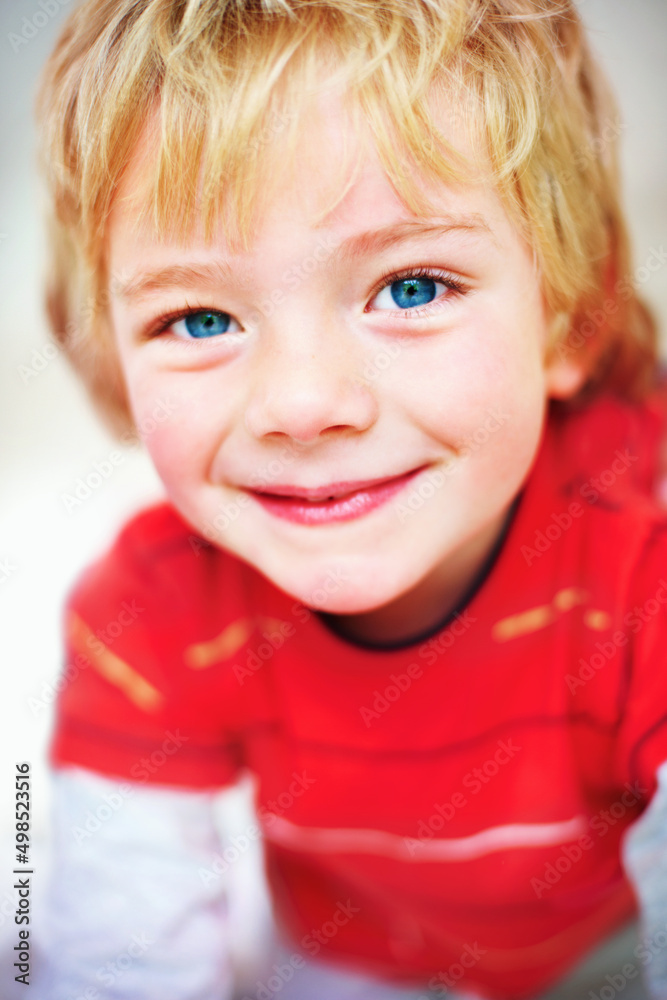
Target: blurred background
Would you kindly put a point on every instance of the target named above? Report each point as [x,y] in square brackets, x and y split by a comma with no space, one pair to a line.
[49,436]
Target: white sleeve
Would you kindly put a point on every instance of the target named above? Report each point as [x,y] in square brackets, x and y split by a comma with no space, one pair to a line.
[128,915]
[645,861]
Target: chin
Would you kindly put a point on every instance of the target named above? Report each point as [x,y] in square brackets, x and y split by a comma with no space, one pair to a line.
[342,588]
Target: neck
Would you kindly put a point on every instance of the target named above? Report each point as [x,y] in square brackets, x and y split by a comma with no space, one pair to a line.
[421,609]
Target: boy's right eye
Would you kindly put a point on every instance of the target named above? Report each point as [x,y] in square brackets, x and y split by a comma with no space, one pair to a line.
[197,324]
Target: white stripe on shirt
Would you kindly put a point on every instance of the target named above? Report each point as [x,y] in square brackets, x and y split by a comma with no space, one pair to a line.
[324,840]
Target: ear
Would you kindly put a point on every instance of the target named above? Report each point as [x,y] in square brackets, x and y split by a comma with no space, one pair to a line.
[565,376]
[567,363]
[576,342]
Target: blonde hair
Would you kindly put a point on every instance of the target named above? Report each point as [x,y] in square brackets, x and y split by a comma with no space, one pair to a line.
[222,75]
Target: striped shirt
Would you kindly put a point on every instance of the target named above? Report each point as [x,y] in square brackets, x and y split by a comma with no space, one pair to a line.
[445,811]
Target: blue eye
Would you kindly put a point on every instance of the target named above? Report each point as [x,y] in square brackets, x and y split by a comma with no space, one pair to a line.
[202,324]
[410,290]
[206,323]
[413,292]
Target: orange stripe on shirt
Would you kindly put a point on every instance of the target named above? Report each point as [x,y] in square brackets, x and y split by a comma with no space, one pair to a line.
[111,667]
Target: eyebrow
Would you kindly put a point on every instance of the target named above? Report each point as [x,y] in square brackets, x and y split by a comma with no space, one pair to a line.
[379,240]
[193,276]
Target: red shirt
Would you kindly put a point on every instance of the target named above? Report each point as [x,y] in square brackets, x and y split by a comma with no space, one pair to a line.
[445,811]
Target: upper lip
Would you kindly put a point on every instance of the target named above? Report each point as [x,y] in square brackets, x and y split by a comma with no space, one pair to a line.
[333,490]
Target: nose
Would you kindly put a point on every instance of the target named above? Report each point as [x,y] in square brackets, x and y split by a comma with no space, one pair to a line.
[306,384]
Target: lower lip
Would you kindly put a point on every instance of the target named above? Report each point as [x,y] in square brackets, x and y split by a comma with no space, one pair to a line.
[345,508]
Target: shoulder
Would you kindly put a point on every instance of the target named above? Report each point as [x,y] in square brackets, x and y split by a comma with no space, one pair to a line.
[142,624]
[150,540]
[155,553]
[159,590]
[153,611]
[605,462]
[610,449]
[590,515]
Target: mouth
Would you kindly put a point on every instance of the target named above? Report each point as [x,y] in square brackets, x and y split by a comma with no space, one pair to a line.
[335,502]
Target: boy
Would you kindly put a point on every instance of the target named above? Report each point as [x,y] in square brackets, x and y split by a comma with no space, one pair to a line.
[367,261]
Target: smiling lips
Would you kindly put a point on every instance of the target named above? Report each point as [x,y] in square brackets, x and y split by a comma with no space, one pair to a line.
[332,503]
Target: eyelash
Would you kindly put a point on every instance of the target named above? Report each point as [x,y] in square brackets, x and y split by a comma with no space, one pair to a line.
[162,324]
[454,284]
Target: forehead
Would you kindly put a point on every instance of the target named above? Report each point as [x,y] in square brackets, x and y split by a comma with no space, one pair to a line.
[325,177]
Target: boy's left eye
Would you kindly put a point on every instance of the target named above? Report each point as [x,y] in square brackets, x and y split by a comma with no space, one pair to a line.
[413,289]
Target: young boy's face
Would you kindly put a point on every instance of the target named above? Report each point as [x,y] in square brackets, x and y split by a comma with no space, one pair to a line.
[393,363]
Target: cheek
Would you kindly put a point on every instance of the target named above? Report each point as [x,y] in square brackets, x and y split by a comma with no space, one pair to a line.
[172,453]
[452,384]
[171,423]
